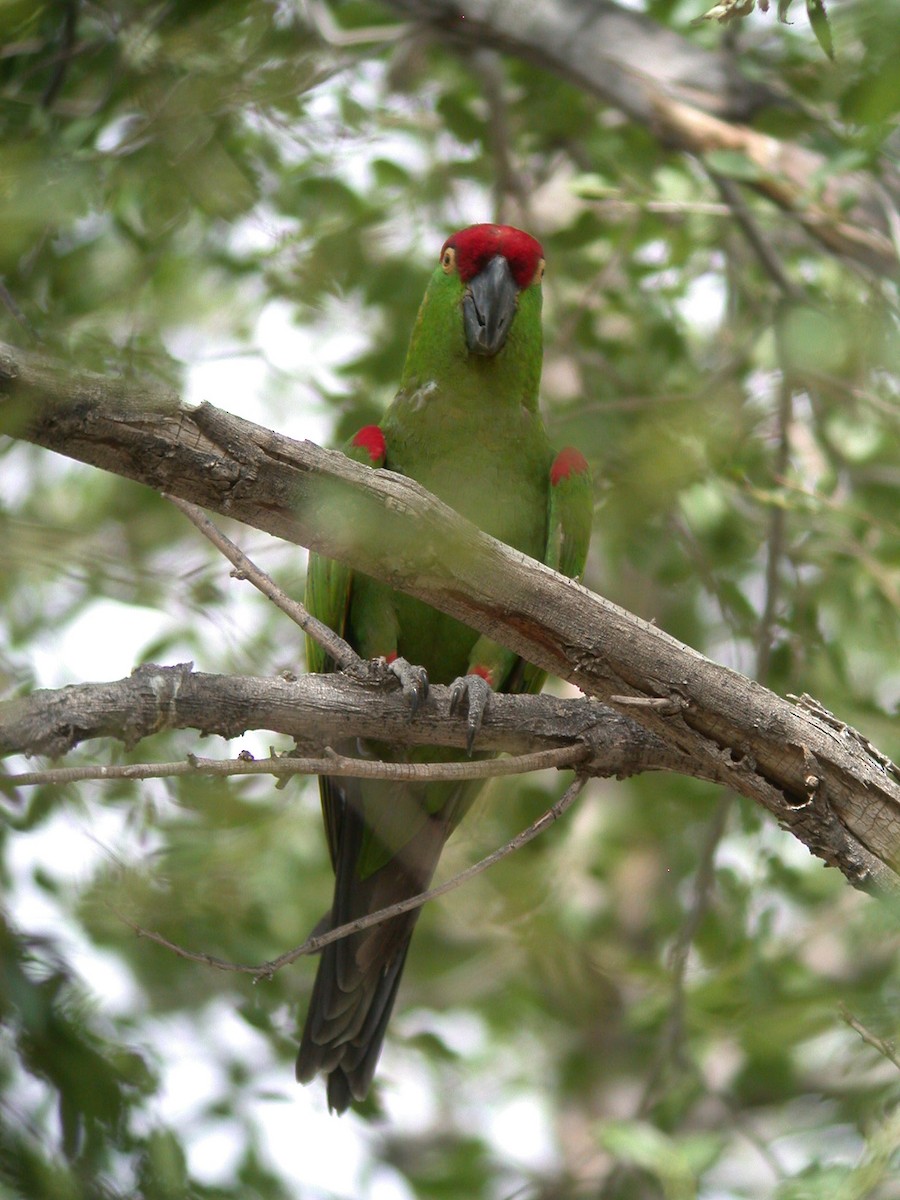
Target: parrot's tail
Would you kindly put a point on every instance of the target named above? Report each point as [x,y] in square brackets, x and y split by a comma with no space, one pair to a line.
[358,976]
[347,1054]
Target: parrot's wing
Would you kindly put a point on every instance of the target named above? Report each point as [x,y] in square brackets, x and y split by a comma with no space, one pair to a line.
[328,588]
[358,976]
[571,513]
[328,583]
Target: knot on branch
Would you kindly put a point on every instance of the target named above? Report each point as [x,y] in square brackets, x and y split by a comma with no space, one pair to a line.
[164,684]
[9,368]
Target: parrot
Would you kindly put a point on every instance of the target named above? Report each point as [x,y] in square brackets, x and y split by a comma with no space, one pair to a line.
[465,424]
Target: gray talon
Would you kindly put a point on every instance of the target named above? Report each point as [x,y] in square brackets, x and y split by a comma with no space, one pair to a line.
[470,694]
[413,681]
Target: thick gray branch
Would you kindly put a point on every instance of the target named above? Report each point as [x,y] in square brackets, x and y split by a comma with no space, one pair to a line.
[818,778]
[620,55]
[318,711]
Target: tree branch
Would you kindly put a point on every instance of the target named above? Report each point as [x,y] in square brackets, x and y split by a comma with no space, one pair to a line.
[620,55]
[848,215]
[828,788]
[284,766]
[316,710]
[345,657]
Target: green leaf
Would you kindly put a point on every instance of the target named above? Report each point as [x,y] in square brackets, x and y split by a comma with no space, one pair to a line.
[818,18]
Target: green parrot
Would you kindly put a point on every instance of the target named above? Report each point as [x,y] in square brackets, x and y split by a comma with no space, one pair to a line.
[465,424]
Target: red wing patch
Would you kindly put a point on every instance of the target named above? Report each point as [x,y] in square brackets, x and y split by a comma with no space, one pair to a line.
[371,439]
[567,463]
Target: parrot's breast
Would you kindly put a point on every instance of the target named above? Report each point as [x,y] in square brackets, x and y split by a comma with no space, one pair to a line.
[490,462]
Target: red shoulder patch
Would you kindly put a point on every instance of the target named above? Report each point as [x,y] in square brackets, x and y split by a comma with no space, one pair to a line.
[568,462]
[371,439]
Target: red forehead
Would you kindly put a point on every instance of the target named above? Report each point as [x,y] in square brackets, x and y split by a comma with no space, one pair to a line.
[477,245]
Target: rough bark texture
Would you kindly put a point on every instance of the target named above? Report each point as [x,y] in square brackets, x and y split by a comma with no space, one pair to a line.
[821,780]
[317,711]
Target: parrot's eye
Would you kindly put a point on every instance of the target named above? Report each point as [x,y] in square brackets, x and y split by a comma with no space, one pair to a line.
[539,273]
[448,260]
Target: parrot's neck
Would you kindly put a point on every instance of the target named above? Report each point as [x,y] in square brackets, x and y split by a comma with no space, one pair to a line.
[464,381]
[439,367]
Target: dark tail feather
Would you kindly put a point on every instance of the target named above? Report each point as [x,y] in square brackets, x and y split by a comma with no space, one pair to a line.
[357,980]
[350,1065]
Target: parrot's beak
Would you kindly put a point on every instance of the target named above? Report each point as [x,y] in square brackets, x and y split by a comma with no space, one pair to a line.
[489,306]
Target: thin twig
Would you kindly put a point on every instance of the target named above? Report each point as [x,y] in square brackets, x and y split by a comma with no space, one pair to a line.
[313,945]
[329,31]
[342,652]
[507,181]
[9,302]
[701,892]
[760,245]
[775,541]
[662,704]
[886,1049]
[64,56]
[667,208]
[559,758]
[670,1050]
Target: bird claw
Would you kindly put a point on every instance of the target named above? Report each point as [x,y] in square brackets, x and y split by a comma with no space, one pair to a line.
[413,681]
[470,694]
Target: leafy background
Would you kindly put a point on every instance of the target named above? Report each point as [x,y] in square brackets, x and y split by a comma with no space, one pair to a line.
[245,198]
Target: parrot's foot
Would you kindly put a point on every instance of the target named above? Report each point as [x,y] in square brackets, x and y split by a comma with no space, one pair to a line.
[413,681]
[470,694]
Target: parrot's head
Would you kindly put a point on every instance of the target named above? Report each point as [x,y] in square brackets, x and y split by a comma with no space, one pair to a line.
[478,332]
[493,265]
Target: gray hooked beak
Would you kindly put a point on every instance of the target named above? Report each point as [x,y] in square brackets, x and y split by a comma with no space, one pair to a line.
[489,306]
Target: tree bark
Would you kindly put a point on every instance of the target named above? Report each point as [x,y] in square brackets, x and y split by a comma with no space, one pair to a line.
[822,780]
[321,710]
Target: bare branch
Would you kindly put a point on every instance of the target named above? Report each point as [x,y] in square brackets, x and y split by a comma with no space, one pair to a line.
[330,764]
[670,1052]
[317,711]
[885,1049]
[761,245]
[314,944]
[341,651]
[508,182]
[786,174]
[623,56]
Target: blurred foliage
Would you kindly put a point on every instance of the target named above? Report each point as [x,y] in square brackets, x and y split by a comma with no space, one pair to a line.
[731,10]
[244,198]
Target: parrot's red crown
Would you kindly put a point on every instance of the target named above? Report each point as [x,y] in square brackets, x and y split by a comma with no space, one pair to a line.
[477,245]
